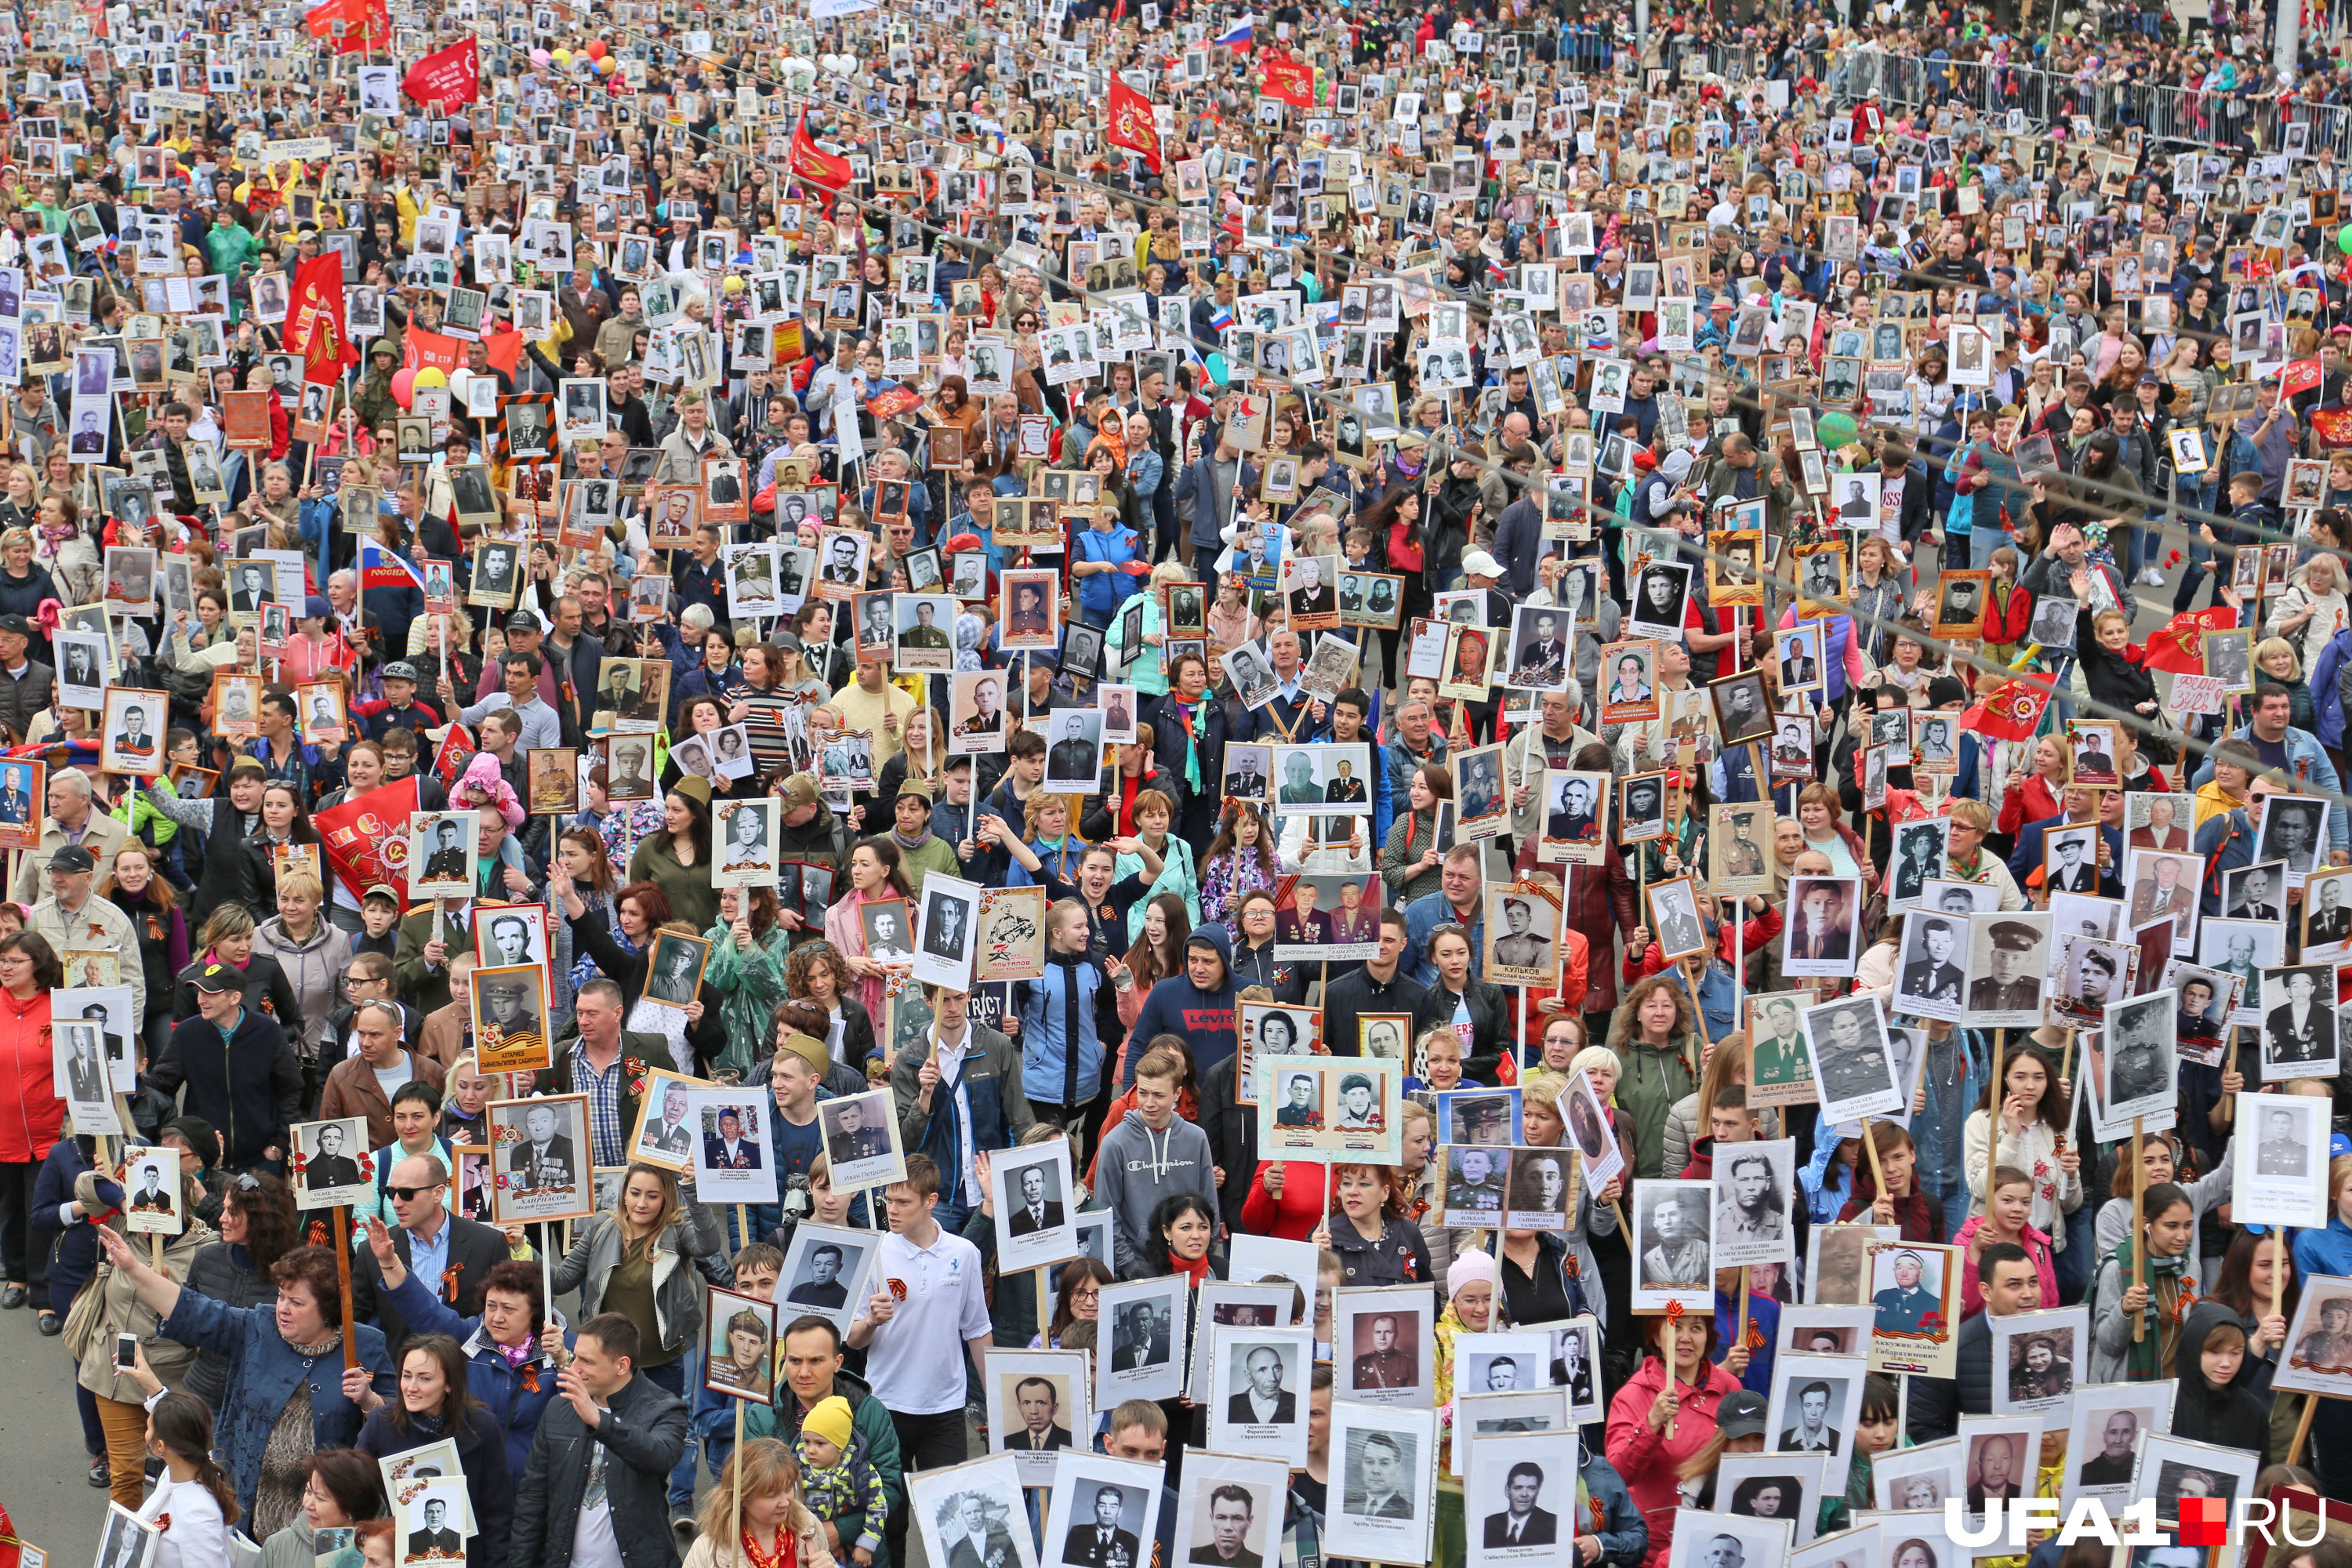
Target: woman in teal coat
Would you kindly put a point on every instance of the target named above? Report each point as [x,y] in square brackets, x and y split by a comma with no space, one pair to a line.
[746,973]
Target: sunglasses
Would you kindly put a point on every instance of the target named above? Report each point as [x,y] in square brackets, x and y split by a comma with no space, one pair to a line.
[408,1195]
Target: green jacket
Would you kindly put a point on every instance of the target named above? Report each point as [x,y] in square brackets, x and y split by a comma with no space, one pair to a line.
[376,405]
[144,821]
[749,986]
[229,245]
[1651,1082]
[936,855]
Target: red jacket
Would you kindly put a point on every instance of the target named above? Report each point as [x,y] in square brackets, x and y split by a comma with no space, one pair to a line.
[2008,613]
[32,1117]
[1755,935]
[1305,1199]
[2031,799]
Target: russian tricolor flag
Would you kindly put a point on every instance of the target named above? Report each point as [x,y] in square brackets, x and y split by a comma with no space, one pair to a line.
[1237,36]
[380,567]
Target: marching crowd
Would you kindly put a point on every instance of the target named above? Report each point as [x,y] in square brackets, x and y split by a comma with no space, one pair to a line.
[878,296]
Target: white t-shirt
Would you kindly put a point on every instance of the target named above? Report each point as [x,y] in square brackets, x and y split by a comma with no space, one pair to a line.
[593,1544]
[915,1364]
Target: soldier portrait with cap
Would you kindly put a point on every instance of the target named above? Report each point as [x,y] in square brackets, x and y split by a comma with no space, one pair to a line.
[1520,947]
[1359,1105]
[2008,985]
[2281,1152]
[1907,1304]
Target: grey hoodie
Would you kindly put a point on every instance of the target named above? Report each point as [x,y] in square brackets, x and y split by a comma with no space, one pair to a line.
[1138,1167]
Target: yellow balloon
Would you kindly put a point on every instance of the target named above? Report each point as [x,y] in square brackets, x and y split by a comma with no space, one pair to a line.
[430,376]
[563,56]
[607,66]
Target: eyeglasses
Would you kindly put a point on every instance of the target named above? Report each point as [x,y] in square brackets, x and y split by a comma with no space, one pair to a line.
[408,1195]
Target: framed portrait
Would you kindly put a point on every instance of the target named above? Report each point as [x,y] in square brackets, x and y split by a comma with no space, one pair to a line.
[731,1161]
[1229,1508]
[1380,1338]
[509,1007]
[330,1164]
[1036,1206]
[1814,1405]
[2104,1428]
[973,1512]
[739,1346]
[1386,1461]
[1823,937]
[133,733]
[2036,1358]
[861,1140]
[1102,1512]
[665,1132]
[540,1159]
[827,1270]
[1673,1230]
[1914,1293]
[674,965]
[441,851]
[1147,1320]
[1516,1490]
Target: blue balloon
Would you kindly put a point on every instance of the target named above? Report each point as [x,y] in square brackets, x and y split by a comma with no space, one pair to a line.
[1217,371]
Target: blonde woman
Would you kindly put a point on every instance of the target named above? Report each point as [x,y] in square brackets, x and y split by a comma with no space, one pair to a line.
[16,508]
[633,1259]
[774,1528]
[2312,611]
[1146,674]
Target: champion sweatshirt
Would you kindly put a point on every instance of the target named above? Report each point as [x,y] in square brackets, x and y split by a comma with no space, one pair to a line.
[1137,1168]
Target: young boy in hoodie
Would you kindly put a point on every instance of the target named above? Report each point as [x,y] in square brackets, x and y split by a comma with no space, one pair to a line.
[1196,1006]
[1149,1156]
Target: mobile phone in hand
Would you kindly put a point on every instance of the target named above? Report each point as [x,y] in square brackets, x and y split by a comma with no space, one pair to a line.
[126,1351]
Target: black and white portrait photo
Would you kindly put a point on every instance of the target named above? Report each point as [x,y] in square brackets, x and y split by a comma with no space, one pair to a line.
[2137,1058]
[1853,1068]
[861,1140]
[2299,1026]
[1673,1224]
[1754,1187]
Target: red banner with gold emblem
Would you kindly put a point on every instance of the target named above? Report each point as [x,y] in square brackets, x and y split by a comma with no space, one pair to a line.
[367,839]
[2179,645]
[1130,124]
[2011,711]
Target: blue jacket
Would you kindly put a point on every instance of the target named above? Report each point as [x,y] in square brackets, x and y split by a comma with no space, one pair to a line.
[499,1384]
[1943,1178]
[2327,673]
[2307,762]
[1425,915]
[1061,1048]
[76,1257]
[264,1372]
[1625,1537]
[2326,1251]
[1204,1020]
[1100,594]
[2026,858]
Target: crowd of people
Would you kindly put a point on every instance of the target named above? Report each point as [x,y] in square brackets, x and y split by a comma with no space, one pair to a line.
[1718,550]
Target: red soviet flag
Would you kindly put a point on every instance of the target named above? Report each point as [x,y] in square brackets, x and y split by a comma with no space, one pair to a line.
[451,78]
[1130,124]
[364,24]
[2178,645]
[813,163]
[1293,81]
[314,323]
[366,838]
[2011,711]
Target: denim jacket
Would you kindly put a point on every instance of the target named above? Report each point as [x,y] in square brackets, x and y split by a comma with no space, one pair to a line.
[2306,762]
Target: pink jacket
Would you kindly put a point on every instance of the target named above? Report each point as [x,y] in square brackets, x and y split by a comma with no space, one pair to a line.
[844,930]
[2037,1248]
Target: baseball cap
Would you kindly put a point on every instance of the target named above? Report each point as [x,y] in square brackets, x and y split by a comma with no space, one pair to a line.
[1741,1414]
[17,624]
[399,669]
[218,978]
[382,890]
[799,790]
[315,608]
[1478,564]
[72,857]
[523,621]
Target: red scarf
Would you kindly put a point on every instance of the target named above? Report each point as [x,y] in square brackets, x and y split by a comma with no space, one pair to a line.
[1196,1270]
